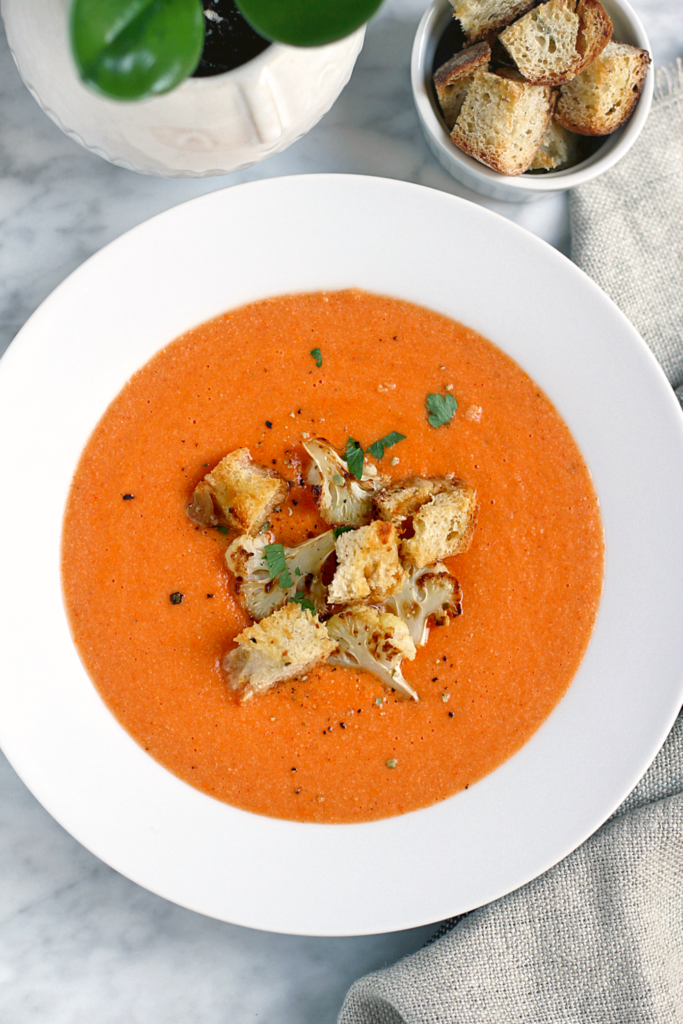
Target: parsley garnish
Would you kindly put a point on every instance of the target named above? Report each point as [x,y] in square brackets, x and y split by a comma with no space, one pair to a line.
[224,530]
[338,530]
[265,528]
[376,449]
[318,356]
[354,458]
[440,409]
[277,565]
[304,602]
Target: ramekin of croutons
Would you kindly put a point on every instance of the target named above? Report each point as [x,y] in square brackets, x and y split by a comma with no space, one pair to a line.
[518,99]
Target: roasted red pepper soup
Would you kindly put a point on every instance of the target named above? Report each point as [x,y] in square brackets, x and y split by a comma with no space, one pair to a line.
[151,604]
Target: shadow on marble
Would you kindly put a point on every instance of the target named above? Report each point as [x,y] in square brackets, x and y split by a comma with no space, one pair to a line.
[80,943]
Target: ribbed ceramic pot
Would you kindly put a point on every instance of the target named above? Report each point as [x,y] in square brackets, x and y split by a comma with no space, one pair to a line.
[206,126]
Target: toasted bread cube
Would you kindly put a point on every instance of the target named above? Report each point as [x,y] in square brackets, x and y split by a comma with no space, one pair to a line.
[238,494]
[399,501]
[443,527]
[479,17]
[554,42]
[281,646]
[368,565]
[559,149]
[502,122]
[453,79]
[440,511]
[602,98]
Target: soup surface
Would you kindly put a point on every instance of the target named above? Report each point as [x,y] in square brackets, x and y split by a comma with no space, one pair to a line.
[316,748]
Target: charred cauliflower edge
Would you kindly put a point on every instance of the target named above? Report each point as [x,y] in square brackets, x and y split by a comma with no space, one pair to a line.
[389,597]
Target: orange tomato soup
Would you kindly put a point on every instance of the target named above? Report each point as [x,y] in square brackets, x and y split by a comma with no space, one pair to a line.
[316,749]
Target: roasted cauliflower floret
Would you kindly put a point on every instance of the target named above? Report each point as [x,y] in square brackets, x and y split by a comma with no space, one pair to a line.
[342,500]
[282,646]
[258,594]
[429,594]
[374,641]
[368,566]
[238,494]
[440,512]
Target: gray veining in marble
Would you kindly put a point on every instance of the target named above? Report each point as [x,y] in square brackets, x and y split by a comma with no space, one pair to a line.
[79,944]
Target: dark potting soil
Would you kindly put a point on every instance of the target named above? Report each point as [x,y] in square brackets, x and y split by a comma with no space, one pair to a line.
[229,42]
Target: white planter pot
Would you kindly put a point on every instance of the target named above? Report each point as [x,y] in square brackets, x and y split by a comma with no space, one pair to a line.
[206,126]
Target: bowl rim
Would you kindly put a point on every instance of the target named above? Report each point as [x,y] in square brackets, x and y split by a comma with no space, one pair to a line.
[546,799]
[429,31]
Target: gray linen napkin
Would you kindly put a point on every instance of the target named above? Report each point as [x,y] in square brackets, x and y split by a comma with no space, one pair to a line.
[598,939]
[627,228]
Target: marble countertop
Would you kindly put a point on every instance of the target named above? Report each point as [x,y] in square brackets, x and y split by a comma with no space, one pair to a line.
[78,942]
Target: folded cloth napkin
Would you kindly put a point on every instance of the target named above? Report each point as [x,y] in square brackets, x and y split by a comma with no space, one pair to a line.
[627,228]
[598,939]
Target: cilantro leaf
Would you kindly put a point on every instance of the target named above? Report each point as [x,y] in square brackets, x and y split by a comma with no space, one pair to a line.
[376,449]
[304,602]
[277,565]
[338,530]
[318,356]
[440,409]
[354,458]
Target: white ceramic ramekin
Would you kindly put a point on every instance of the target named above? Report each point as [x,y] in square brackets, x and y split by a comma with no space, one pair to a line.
[484,180]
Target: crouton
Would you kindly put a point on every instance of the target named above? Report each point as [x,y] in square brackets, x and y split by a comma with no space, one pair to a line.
[399,501]
[440,511]
[479,17]
[453,79]
[238,494]
[368,565]
[502,122]
[559,149]
[377,642]
[443,526]
[595,30]
[602,98]
[554,42]
[283,645]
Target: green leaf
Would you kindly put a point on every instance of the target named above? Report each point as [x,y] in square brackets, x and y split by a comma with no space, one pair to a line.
[354,458]
[277,565]
[303,601]
[131,49]
[318,356]
[307,22]
[338,530]
[376,449]
[285,580]
[440,409]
